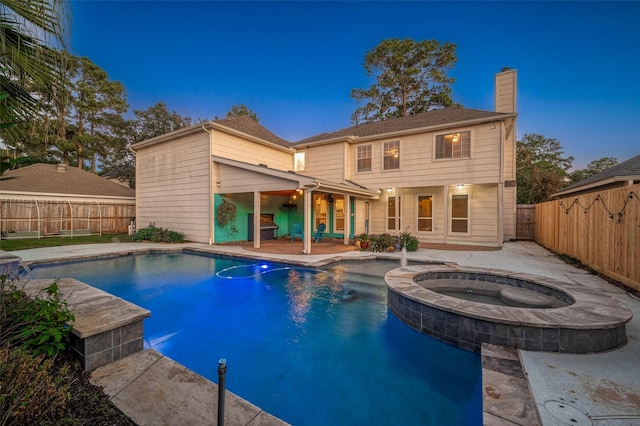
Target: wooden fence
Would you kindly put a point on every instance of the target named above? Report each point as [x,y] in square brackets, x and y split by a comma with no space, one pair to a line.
[600,229]
[38,218]
[526,222]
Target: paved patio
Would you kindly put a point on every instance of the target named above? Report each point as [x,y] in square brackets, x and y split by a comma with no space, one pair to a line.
[595,389]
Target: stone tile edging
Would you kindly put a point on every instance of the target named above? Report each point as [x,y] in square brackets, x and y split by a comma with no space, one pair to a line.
[106,327]
[593,323]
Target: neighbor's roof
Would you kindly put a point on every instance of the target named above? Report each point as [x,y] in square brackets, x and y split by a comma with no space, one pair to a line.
[46,179]
[627,170]
[435,118]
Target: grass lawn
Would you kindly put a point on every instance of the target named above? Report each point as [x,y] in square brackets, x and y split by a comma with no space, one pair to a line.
[29,243]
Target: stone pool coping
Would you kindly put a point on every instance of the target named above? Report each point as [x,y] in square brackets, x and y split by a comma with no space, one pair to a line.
[593,323]
[106,328]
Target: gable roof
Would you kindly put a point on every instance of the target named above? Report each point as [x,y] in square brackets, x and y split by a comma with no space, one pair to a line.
[436,118]
[48,180]
[627,170]
[248,125]
[243,126]
[347,187]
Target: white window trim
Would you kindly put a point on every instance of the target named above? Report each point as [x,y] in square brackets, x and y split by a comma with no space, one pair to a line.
[433,213]
[450,219]
[386,221]
[471,145]
[334,210]
[371,158]
[296,155]
[399,157]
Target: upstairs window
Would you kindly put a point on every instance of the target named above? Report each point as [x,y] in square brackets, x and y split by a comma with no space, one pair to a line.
[391,158]
[453,145]
[298,161]
[363,159]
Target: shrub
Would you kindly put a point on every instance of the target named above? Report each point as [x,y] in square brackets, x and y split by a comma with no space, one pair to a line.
[39,324]
[158,235]
[381,242]
[408,241]
[31,390]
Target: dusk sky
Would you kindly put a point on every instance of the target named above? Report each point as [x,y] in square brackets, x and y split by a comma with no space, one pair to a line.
[294,63]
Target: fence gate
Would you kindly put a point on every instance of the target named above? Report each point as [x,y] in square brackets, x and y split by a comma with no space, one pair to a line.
[526,222]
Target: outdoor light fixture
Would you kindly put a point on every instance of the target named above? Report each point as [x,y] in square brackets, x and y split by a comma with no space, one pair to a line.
[460,186]
[389,189]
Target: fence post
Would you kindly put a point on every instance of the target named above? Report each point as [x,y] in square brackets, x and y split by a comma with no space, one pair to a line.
[222,370]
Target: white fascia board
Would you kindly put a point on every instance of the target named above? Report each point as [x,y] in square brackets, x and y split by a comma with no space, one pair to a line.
[358,139]
[229,130]
[596,184]
[63,197]
[202,128]
[302,180]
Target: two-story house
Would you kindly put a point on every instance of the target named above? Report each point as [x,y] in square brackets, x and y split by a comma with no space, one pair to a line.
[447,176]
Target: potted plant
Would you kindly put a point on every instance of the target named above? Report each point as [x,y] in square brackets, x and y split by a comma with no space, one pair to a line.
[364,240]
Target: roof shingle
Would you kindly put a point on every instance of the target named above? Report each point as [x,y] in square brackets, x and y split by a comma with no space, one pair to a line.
[426,119]
[46,179]
[248,125]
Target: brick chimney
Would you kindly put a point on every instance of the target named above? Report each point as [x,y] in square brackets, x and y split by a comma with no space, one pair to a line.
[506,85]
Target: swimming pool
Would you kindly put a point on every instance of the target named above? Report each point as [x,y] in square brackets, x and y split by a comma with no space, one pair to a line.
[310,347]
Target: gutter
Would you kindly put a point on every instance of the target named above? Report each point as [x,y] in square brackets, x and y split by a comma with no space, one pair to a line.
[49,195]
[199,127]
[211,195]
[354,139]
[596,184]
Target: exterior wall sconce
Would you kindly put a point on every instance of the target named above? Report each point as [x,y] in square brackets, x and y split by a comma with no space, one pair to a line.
[218,184]
[389,189]
[460,186]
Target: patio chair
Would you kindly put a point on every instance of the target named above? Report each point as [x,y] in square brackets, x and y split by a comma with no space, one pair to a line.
[297,231]
[320,231]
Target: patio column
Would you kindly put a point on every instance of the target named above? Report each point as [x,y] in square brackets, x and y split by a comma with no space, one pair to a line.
[347,219]
[256,220]
[445,228]
[308,197]
[500,235]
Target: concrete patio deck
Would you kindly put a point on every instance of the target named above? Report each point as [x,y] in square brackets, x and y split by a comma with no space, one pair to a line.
[594,389]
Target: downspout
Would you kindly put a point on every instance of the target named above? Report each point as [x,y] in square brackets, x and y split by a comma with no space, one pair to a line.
[501,189]
[211,195]
[135,205]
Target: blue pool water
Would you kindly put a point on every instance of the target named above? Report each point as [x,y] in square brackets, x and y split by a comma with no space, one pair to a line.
[310,347]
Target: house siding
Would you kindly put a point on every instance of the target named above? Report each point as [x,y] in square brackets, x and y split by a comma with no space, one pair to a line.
[418,165]
[505,86]
[236,148]
[173,186]
[326,161]
[235,180]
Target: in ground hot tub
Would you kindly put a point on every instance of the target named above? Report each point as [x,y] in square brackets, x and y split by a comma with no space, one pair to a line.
[470,306]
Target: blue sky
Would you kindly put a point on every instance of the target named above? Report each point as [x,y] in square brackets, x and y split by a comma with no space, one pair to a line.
[294,63]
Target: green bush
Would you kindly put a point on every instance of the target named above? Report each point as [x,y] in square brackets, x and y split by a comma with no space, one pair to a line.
[408,241]
[158,235]
[381,242]
[39,324]
[32,391]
